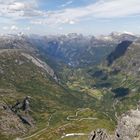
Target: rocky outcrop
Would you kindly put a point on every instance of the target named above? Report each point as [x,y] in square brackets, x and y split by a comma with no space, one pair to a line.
[15,120]
[41,64]
[21,109]
[126,59]
[99,134]
[10,123]
[128,128]
[118,52]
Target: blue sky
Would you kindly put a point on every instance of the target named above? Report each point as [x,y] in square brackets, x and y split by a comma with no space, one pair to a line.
[66,16]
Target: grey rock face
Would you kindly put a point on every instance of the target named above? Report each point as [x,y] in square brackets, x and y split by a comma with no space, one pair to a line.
[26,104]
[21,109]
[10,123]
[100,134]
[40,64]
[129,62]
[128,128]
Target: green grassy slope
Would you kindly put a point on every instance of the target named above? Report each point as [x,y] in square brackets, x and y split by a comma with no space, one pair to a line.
[51,103]
[85,98]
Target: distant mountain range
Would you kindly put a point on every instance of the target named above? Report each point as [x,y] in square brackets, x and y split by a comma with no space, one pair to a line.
[73,49]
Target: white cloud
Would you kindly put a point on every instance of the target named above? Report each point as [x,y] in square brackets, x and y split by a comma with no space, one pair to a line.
[72,22]
[14,28]
[10,28]
[115,8]
[5,28]
[17,6]
[67,3]
[19,9]
[106,9]
[102,9]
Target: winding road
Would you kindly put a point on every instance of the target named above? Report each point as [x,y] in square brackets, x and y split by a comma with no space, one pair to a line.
[74,134]
[114,104]
[73,118]
[69,118]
